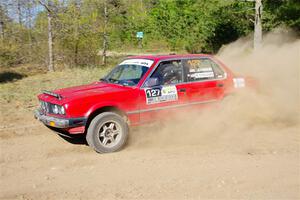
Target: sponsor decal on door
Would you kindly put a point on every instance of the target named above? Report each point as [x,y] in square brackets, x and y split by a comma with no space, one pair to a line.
[161,94]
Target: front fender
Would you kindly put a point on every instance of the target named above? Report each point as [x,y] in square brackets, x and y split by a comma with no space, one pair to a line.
[99,106]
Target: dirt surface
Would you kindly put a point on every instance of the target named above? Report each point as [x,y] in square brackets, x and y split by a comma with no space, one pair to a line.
[255,164]
[247,147]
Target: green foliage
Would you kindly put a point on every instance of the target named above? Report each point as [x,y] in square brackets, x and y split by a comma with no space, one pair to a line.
[178,25]
[233,20]
[9,55]
[199,26]
[282,12]
[13,51]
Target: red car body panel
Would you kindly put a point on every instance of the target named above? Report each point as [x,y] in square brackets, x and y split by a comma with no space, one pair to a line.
[83,101]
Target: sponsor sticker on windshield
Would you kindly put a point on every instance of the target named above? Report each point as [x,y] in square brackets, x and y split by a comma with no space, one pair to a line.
[161,94]
[142,62]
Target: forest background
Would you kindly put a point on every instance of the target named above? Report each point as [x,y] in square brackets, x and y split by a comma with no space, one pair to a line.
[83,30]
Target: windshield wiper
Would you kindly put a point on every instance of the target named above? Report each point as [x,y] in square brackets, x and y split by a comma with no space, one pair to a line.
[112,80]
[103,79]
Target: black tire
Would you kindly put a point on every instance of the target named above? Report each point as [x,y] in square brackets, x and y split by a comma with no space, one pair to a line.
[104,139]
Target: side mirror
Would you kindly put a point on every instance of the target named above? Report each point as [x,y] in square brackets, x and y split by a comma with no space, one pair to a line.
[151,82]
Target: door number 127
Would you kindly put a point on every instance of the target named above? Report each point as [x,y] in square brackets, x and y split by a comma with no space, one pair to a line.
[153,92]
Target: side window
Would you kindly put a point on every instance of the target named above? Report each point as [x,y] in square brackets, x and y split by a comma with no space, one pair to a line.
[219,73]
[201,69]
[169,72]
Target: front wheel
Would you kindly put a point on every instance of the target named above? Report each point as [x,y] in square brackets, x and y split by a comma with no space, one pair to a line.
[107,132]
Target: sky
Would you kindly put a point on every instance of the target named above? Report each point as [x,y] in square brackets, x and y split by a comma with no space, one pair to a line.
[11,7]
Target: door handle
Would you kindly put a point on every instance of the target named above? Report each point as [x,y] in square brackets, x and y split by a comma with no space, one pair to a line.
[220,84]
[182,90]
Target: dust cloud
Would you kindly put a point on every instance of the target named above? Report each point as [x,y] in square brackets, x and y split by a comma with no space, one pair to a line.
[253,120]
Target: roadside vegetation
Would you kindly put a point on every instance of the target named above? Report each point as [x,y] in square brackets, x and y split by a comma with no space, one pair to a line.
[22,93]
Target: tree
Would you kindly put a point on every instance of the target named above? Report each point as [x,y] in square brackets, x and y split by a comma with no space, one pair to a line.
[105,37]
[32,31]
[2,22]
[47,7]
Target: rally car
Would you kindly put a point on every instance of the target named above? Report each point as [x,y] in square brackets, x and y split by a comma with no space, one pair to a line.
[141,89]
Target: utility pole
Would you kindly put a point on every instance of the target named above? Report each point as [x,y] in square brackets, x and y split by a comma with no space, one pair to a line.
[257,42]
[257,39]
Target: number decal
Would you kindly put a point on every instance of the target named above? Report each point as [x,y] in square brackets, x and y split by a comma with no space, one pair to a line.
[155,92]
[161,94]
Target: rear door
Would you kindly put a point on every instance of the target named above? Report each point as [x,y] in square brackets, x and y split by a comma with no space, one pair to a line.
[204,80]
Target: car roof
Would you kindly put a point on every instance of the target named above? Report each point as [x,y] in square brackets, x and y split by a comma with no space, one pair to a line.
[167,57]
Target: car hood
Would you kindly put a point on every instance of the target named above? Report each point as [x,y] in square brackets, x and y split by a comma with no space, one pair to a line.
[82,91]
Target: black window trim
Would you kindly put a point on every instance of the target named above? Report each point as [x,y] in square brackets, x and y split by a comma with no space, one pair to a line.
[186,82]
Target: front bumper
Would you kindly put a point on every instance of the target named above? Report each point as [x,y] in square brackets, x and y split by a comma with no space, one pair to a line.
[59,122]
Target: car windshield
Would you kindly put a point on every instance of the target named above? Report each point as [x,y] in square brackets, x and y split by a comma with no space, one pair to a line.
[129,72]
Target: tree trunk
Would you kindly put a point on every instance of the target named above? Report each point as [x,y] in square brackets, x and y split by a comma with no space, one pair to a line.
[29,24]
[1,29]
[76,52]
[19,12]
[50,44]
[105,39]
[258,25]
[76,31]
[50,36]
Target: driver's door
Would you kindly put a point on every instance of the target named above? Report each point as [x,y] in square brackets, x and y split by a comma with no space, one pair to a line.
[168,95]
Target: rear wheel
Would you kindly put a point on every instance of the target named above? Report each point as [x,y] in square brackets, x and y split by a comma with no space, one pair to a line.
[107,132]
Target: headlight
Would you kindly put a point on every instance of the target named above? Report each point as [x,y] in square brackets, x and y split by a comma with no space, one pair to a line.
[52,108]
[62,110]
[56,109]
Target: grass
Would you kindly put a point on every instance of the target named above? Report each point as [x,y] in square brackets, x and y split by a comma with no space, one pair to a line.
[22,93]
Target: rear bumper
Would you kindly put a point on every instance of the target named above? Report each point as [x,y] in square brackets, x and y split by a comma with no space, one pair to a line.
[56,122]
